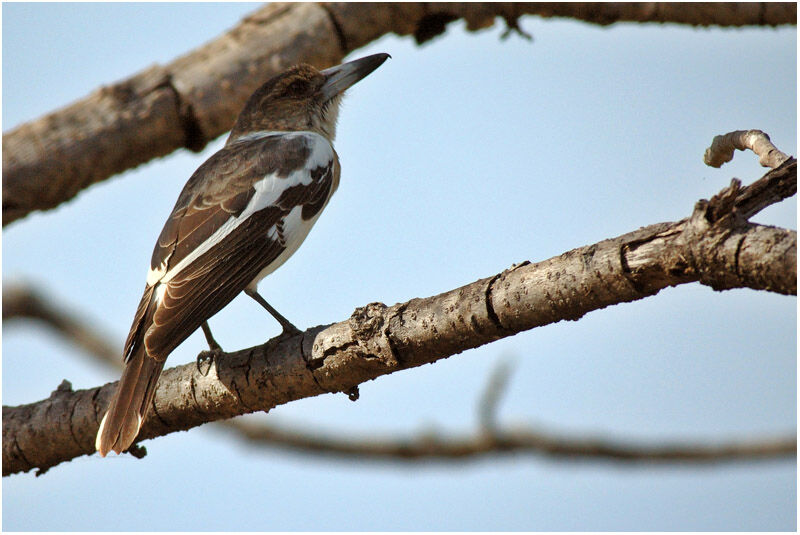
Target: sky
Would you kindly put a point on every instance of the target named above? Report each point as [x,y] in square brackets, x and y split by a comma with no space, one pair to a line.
[459,158]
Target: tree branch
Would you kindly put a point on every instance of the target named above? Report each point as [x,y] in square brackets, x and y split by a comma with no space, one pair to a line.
[722,148]
[195,98]
[715,246]
[23,301]
[431,446]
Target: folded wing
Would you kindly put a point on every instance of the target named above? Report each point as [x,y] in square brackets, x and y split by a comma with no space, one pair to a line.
[242,213]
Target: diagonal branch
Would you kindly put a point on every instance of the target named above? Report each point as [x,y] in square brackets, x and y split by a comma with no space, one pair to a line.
[196,97]
[715,246]
[23,301]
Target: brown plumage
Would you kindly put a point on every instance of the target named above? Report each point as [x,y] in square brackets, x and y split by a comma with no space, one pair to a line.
[239,217]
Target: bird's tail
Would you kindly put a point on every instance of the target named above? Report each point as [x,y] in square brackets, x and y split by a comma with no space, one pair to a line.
[129,407]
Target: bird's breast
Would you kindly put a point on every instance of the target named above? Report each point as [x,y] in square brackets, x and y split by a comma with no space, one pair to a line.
[304,195]
[289,232]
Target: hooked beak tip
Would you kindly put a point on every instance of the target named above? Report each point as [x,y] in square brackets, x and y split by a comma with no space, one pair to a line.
[343,76]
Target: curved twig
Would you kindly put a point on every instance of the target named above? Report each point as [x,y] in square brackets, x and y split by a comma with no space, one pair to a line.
[722,148]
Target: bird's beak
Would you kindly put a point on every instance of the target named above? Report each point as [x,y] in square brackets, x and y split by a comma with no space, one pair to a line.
[339,78]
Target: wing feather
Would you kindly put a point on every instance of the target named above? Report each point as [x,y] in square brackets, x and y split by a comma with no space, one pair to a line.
[223,231]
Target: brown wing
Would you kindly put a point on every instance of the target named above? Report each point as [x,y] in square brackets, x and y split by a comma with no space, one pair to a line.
[210,283]
[221,188]
[217,193]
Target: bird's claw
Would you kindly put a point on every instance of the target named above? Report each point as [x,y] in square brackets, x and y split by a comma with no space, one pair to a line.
[206,359]
[288,332]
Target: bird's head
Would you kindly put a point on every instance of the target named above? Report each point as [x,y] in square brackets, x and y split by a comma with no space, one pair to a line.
[302,98]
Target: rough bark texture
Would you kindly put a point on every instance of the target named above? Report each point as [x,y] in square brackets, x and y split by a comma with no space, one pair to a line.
[716,246]
[194,99]
[489,439]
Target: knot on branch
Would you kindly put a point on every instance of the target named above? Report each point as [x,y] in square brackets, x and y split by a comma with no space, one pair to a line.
[711,224]
[350,352]
[721,209]
[366,321]
[726,251]
[369,328]
[65,388]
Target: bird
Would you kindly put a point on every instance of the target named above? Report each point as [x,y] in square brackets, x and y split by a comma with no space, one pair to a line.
[239,217]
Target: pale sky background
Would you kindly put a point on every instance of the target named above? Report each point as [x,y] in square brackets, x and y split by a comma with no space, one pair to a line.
[459,158]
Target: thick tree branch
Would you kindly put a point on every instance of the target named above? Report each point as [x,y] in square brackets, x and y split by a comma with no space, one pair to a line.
[716,246]
[195,98]
[23,301]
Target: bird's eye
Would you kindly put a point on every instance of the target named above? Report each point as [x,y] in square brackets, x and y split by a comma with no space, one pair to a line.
[298,87]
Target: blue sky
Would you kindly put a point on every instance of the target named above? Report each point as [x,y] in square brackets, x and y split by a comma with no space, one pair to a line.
[459,158]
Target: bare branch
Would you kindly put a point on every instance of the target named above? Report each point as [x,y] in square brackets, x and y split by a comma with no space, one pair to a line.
[196,97]
[772,188]
[432,446]
[722,148]
[23,301]
[691,13]
[715,246]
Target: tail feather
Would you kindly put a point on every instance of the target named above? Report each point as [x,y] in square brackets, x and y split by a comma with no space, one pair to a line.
[130,404]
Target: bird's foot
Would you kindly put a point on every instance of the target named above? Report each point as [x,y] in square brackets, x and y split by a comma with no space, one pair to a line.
[289,331]
[206,359]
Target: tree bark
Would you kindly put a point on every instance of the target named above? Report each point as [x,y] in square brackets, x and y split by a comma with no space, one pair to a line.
[196,98]
[715,246]
[490,439]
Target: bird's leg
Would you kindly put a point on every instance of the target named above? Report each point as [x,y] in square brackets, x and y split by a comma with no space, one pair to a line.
[288,328]
[212,344]
[214,349]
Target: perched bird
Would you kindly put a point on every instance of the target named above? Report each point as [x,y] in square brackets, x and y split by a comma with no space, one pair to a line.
[241,215]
